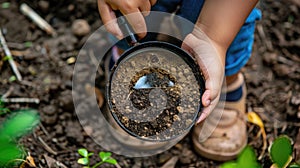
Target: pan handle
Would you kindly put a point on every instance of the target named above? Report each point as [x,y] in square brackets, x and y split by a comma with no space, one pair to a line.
[126,29]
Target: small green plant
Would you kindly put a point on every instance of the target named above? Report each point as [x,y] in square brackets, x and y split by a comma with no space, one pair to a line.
[281,153]
[28,44]
[12,129]
[5,5]
[246,159]
[104,156]
[3,109]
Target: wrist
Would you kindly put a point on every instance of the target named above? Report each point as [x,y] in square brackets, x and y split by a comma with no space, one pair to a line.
[202,33]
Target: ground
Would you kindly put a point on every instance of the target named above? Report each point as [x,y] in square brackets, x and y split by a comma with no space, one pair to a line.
[46,64]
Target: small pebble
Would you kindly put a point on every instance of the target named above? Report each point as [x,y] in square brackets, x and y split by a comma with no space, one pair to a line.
[44,6]
[81,27]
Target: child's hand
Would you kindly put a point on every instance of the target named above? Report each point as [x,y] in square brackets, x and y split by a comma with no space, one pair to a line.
[210,57]
[134,10]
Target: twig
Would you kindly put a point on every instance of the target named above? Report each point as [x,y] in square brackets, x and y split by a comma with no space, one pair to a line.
[21,100]
[263,37]
[26,10]
[117,165]
[7,93]
[47,147]
[44,129]
[51,162]
[10,58]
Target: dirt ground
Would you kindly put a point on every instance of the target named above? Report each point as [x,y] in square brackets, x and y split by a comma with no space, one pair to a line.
[272,76]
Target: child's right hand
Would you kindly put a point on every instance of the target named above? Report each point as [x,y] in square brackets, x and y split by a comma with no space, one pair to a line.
[211,59]
[133,10]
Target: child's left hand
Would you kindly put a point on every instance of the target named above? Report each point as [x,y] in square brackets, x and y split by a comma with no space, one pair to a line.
[133,10]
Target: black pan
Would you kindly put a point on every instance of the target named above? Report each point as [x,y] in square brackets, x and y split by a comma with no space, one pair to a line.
[154,90]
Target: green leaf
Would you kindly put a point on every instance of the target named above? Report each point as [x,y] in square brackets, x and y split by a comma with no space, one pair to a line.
[5,5]
[281,151]
[18,124]
[3,109]
[83,161]
[90,154]
[12,78]
[104,156]
[6,58]
[111,161]
[247,158]
[230,164]
[83,152]
[9,152]
[294,165]
[28,44]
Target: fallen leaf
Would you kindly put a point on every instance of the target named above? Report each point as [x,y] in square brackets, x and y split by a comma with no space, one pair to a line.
[255,119]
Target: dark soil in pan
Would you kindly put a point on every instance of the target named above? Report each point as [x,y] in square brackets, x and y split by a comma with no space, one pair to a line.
[272,78]
[152,97]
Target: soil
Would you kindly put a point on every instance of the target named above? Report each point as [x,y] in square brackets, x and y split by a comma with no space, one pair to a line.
[272,78]
[147,94]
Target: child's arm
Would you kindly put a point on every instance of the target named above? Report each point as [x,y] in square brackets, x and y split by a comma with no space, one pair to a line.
[216,27]
[140,8]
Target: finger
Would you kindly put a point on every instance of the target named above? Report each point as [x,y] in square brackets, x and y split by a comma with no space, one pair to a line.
[206,98]
[137,21]
[152,2]
[109,19]
[145,8]
[207,111]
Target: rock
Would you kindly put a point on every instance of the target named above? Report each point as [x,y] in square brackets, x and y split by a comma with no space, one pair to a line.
[282,70]
[49,120]
[187,156]
[49,114]
[164,157]
[270,58]
[59,129]
[81,27]
[295,100]
[66,101]
[44,6]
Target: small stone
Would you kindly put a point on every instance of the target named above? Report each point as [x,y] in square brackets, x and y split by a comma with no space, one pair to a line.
[173,70]
[179,108]
[270,58]
[49,110]
[187,156]
[81,27]
[188,122]
[176,118]
[163,158]
[44,6]
[71,60]
[66,101]
[282,70]
[50,120]
[58,129]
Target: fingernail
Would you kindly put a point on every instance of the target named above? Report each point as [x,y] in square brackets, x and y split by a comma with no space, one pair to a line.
[207,103]
[201,118]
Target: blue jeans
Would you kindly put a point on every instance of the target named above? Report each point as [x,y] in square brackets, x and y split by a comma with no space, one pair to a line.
[239,51]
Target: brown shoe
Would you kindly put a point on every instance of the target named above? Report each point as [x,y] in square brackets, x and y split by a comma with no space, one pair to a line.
[223,134]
